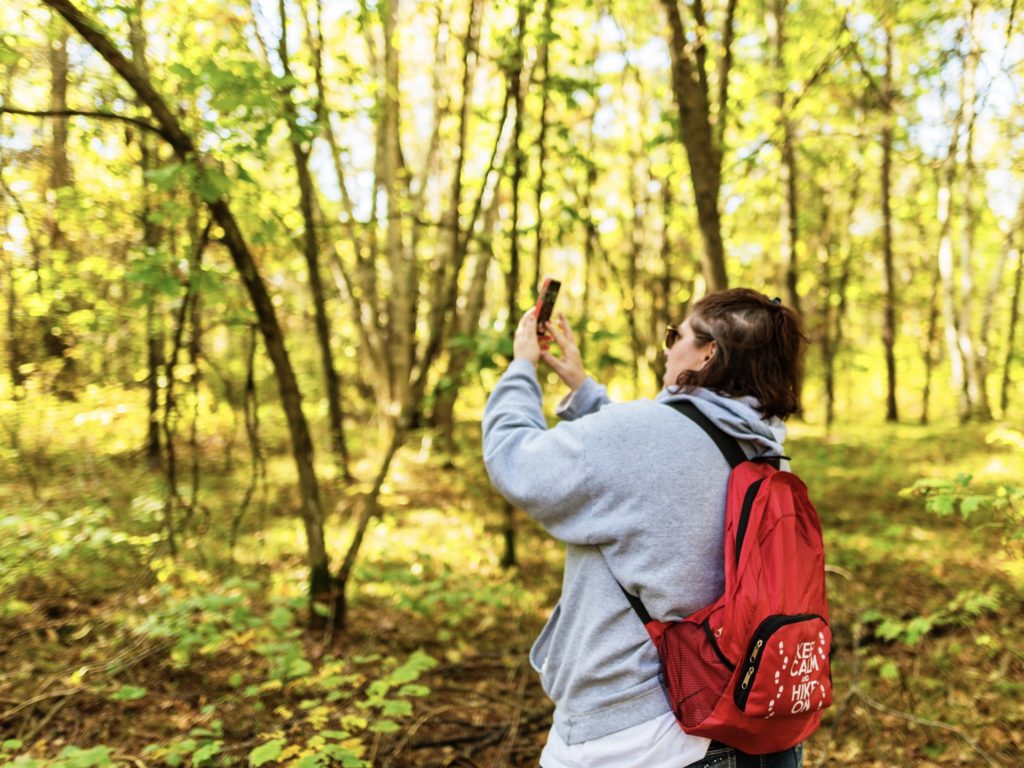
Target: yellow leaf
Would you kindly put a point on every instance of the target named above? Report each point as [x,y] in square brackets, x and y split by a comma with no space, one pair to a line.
[76,677]
[354,745]
[318,716]
[292,750]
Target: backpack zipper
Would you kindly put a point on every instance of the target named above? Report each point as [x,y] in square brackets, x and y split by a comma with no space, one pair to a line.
[752,661]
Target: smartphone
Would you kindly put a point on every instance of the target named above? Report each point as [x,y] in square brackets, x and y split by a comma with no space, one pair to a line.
[546,302]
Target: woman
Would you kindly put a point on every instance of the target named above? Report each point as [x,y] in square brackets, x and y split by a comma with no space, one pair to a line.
[637,492]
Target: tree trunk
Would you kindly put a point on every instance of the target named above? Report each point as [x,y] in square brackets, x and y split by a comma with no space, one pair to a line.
[13,348]
[833,330]
[543,69]
[467,322]
[985,330]
[631,287]
[689,86]
[929,355]
[663,310]
[508,558]
[400,300]
[591,242]
[944,217]
[60,167]
[825,259]
[301,147]
[889,289]
[1011,333]
[359,287]
[467,328]
[977,399]
[56,338]
[150,241]
[448,268]
[518,96]
[371,509]
[788,221]
[291,398]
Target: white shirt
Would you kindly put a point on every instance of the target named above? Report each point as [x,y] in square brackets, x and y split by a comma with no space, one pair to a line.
[657,743]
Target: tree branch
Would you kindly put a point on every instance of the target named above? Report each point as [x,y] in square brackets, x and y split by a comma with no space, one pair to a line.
[136,121]
[171,130]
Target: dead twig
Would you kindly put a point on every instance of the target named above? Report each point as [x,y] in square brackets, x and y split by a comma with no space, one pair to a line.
[35,730]
[35,700]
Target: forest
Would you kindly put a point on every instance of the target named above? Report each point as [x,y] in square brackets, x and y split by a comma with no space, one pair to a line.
[261,265]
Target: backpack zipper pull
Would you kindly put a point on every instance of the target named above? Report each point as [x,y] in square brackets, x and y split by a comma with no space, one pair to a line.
[757,650]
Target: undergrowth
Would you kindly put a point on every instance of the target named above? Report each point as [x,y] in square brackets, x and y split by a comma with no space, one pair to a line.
[116,653]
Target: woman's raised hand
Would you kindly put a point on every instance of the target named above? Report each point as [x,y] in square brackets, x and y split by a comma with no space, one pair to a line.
[526,344]
[569,366]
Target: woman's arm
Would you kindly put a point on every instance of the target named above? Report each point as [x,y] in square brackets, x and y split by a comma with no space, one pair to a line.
[590,397]
[542,471]
[587,395]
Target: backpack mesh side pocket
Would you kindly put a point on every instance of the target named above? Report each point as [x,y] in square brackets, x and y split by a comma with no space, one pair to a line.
[695,671]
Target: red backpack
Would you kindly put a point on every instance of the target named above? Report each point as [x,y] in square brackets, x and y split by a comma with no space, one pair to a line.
[751,670]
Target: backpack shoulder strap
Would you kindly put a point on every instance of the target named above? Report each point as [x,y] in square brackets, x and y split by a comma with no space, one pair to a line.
[730,450]
[726,444]
[637,605]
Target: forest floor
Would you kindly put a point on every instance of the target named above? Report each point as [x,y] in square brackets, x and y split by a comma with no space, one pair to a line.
[114,653]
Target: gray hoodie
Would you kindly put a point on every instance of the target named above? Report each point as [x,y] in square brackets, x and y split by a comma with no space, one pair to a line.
[637,493]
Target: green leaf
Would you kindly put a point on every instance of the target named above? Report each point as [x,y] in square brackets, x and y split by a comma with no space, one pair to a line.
[86,758]
[212,185]
[298,668]
[166,178]
[281,617]
[917,628]
[971,504]
[329,734]
[205,752]
[128,693]
[385,726]
[181,71]
[266,752]
[942,505]
[396,709]
[889,671]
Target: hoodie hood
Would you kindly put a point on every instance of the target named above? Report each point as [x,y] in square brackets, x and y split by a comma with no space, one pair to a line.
[738,417]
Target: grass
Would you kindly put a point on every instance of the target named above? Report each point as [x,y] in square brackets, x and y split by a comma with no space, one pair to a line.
[111,648]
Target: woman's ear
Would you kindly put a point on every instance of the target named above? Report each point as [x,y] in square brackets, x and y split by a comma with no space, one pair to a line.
[709,352]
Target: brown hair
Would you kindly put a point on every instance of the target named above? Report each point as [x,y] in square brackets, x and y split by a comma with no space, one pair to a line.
[759,350]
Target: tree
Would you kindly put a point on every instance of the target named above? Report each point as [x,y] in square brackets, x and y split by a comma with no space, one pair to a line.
[775,18]
[291,398]
[888,286]
[301,140]
[702,120]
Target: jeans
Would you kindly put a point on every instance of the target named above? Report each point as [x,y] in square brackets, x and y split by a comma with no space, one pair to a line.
[721,756]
